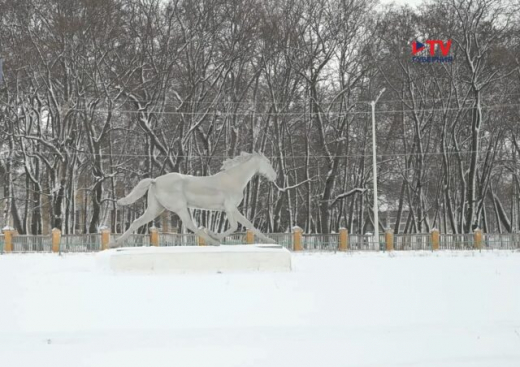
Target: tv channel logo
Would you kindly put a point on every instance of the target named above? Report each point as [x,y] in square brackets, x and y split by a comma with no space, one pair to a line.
[418,48]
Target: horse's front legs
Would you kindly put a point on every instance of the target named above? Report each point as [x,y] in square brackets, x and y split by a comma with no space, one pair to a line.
[243,220]
[233,225]
[188,222]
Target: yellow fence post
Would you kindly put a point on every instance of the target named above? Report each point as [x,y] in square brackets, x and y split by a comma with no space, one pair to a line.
[154,237]
[477,236]
[435,239]
[297,239]
[343,239]
[8,240]
[250,237]
[202,242]
[56,239]
[389,239]
[105,238]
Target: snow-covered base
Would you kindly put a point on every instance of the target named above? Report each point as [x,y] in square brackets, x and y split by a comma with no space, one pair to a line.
[403,309]
[189,259]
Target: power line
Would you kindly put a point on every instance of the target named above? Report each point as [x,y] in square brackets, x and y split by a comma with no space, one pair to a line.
[268,156]
[298,102]
[301,113]
[306,101]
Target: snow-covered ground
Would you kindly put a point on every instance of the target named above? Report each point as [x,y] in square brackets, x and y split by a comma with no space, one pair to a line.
[406,309]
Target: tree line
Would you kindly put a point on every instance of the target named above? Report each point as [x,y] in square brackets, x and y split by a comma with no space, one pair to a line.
[99,94]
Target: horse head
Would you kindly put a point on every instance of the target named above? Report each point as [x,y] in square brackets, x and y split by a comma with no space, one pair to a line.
[264,167]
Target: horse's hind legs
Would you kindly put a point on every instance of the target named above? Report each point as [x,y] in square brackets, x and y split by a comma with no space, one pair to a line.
[153,211]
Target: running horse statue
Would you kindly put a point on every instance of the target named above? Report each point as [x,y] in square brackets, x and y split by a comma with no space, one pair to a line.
[222,191]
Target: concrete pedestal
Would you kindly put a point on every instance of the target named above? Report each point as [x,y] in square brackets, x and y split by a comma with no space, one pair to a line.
[193,259]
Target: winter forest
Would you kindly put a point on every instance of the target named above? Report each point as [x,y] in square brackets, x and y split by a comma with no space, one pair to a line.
[99,94]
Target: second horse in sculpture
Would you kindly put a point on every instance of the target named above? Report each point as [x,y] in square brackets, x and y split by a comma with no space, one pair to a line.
[222,191]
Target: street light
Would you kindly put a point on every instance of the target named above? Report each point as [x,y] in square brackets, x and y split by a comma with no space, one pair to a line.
[1,71]
[374,167]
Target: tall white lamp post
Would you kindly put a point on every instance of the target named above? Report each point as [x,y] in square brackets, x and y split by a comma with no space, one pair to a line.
[374,168]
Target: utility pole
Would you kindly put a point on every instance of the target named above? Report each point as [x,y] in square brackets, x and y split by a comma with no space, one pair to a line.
[374,168]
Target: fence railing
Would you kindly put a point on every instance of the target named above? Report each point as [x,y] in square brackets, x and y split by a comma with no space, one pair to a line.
[456,241]
[136,240]
[235,239]
[503,241]
[421,241]
[295,241]
[366,242]
[31,243]
[282,239]
[178,239]
[320,242]
[80,242]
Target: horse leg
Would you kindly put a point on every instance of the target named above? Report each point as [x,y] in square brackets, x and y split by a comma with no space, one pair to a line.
[250,226]
[233,227]
[153,210]
[185,216]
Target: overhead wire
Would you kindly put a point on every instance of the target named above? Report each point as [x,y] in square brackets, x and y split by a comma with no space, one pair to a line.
[297,102]
[301,113]
[331,101]
[268,113]
[287,156]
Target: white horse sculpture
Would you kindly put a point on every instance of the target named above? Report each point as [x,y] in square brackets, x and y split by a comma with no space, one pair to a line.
[221,192]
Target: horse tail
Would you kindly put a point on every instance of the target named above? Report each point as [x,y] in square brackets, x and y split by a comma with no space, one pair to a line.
[138,192]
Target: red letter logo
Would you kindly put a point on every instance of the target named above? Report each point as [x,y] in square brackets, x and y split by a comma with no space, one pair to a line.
[445,48]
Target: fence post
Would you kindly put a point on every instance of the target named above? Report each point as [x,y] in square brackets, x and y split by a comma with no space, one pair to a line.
[250,237]
[201,240]
[154,236]
[343,239]
[435,239]
[389,239]
[8,239]
[297,238]
[105,238]
[56,239]
[477,237]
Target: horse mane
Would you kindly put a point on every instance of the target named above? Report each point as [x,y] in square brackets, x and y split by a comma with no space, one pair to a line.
[233,162]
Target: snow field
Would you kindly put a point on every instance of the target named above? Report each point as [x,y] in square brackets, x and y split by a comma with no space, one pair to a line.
[353,309]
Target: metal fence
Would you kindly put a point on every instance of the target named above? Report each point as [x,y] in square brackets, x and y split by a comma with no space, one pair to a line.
[366,242]
[135,240]
[32,243]
[235,239]
[456,241]
[282,239]
[178,239]
[501,241]
[80,242]
[309,242]
[320,242]
[404,242]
